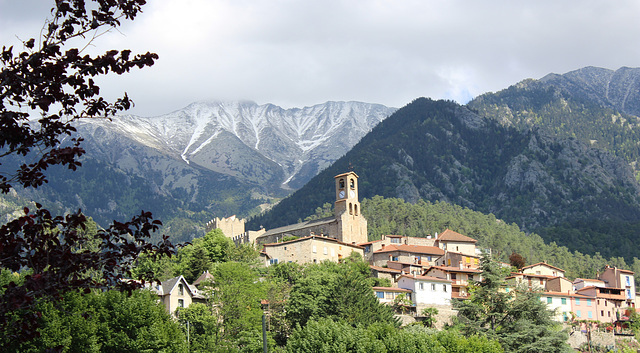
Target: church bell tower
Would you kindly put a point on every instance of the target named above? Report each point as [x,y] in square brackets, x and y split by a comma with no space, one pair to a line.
[352,226]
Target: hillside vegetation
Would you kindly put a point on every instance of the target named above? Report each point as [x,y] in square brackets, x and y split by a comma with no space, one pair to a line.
[441,151]
[395,216]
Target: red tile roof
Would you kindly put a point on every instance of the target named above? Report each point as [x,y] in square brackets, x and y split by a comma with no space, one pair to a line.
[385,269]
[426,278]
[542,264]
[455,269]
[415,249]
[392,289]
[449,235]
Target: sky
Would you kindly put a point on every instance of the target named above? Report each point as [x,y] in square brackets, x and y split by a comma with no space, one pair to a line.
[296,53]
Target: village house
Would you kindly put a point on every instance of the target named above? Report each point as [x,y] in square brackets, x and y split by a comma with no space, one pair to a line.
[560,303]
[176,293]
[579,283]
[559,284]
[371,247]
[426,290]
[460,278]
[391,274]
[388,295]
[531,281]
[456,242]
[311,249]
[408,254]
[543,269]
[618,278]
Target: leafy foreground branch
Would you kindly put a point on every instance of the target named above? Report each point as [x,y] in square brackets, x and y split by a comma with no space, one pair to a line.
[54,83]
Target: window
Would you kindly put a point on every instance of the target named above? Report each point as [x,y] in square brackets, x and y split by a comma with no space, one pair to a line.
[355,208]
[541,282]
[444,288]
[578,302]
[565,317]
[563,301]
[428,258]
[181,303]
[341,183]
[313,248]
[380,295]
[325,250]
[605,303]
[629,294]
[628,280]
[608,313]
[549,300]
[453,276]
[602,313]
[273,261]
[395,240]
[588,302]
[433,287]
[180,289]
[285,248]
[350,209]
[421,285]
[394,258]
[578,313]
[352,183]
[589,315]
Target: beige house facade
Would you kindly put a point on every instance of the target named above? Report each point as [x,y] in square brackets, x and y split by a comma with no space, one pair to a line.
[544,269]
[176,293]
[311,249]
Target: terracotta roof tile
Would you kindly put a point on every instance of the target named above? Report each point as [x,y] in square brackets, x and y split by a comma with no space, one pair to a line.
[449,235]
[416,249]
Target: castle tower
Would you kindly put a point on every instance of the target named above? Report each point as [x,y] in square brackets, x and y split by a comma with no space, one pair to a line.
[352,226]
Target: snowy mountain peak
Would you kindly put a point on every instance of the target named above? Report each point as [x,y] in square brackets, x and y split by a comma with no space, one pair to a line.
[243,138]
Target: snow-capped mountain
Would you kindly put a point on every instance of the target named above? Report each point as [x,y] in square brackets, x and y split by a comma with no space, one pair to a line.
[253,143]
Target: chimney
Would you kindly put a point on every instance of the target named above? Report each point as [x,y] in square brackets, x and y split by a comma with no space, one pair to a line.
[436,236]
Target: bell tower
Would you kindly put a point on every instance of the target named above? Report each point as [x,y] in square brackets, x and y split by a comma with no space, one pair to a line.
[352,226]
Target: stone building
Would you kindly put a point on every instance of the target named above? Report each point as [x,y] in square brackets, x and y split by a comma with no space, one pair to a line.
[347,225]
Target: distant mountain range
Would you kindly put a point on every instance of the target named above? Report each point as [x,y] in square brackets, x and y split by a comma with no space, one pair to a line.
[558,156]
[555,155]
[208,159]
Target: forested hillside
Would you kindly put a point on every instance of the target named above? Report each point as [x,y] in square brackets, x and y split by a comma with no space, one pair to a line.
[595,106]
[441,151]
[395,216]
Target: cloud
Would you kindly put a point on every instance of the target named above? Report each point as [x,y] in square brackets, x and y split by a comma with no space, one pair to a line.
[296,53]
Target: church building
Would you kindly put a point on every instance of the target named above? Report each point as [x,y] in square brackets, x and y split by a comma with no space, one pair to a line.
[347,225]
[332,238]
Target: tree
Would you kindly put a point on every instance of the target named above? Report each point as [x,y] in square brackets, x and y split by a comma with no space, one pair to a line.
[339,291]
[200,323]
[237,294]
[429,316]
[516,260]
[517,318]
[55,81]
[104,322]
